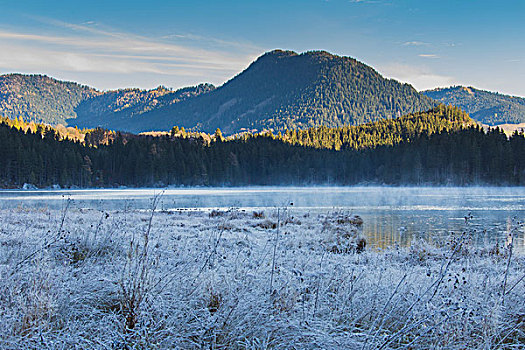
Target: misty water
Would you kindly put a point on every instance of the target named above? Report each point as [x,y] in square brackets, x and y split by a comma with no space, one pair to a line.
[392,215]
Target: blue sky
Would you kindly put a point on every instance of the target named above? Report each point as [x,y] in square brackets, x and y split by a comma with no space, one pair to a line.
[116,44]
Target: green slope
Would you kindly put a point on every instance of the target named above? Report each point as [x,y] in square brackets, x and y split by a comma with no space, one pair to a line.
[120,108]
[40,98]
[484,106]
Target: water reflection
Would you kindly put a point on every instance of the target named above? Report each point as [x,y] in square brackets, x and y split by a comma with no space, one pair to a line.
[385,229]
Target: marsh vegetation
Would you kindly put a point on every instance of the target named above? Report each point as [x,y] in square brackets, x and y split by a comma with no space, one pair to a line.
[283,278]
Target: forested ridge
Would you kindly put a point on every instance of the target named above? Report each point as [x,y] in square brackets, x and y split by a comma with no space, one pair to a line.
[386,132]
[487,107]
[114,109]
[40,98]
[440,147]
[43,99]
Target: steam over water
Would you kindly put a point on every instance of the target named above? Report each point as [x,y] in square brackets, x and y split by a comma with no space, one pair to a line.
[392,215]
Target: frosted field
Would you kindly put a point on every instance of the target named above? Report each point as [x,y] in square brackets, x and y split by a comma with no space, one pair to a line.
[269,279]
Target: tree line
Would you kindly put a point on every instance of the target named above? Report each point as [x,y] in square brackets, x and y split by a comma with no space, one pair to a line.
[439,147]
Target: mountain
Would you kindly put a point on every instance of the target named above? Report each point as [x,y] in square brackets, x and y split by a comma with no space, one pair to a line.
[116,109]
[487,107]
[283,89]
[42,99]
[280,90]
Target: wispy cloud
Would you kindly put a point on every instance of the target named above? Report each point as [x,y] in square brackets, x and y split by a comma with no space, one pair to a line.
[211,40]
[366,1]
[428,55]
[415,43]
[89,47]
[421,78]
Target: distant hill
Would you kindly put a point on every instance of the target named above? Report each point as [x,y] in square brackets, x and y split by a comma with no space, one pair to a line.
[42,99]
[283,89]
[487,107]
[119,108]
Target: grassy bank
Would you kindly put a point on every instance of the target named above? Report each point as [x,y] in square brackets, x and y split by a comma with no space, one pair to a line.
[130,279]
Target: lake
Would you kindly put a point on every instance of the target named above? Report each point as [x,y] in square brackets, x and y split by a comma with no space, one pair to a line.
[392,215]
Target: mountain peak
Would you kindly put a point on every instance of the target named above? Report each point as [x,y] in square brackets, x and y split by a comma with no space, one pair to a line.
[283,89]
[317,54]
[280,53]
[275,55]
[321,53]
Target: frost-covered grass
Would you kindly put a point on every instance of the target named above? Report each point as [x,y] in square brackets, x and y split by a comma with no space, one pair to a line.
[89,279]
